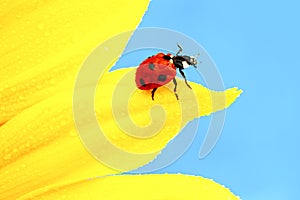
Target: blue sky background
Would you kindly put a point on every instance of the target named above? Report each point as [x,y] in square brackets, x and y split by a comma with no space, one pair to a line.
[255,45]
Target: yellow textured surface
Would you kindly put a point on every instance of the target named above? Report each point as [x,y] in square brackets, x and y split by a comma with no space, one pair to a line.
[147,187]
[43,44]
[46,149]
[199,101]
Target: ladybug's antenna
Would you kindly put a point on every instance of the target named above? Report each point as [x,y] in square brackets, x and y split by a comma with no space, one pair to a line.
[180,49]
[197,55]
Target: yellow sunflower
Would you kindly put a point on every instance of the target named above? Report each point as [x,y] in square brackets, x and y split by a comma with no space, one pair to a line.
[43,44]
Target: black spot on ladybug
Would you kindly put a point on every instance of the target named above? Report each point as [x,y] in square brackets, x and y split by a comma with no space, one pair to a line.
[151,66]
[162,78]
[142,82]
[166,57]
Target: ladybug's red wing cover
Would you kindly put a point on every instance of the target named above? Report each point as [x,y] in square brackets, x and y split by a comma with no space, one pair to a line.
[154,72]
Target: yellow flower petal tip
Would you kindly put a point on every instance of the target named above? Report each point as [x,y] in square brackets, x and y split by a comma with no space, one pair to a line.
[131,120]
[146,187]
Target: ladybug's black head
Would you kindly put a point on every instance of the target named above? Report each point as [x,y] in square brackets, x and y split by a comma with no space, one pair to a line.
[182,62]
[191,60]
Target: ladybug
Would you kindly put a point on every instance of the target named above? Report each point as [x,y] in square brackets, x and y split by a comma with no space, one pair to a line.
[160,69]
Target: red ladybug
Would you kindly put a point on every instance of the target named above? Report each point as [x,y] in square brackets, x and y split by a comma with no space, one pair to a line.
[160,69]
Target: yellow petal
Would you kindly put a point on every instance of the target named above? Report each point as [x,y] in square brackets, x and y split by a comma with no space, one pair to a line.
[131,120]
[46,149]
[43,44]
[147,187]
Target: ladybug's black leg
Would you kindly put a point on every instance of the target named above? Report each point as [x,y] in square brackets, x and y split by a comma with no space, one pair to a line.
[175,83]
[183,75]
[153,91]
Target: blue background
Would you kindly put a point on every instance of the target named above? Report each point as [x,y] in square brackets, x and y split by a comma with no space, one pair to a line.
[256,46]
